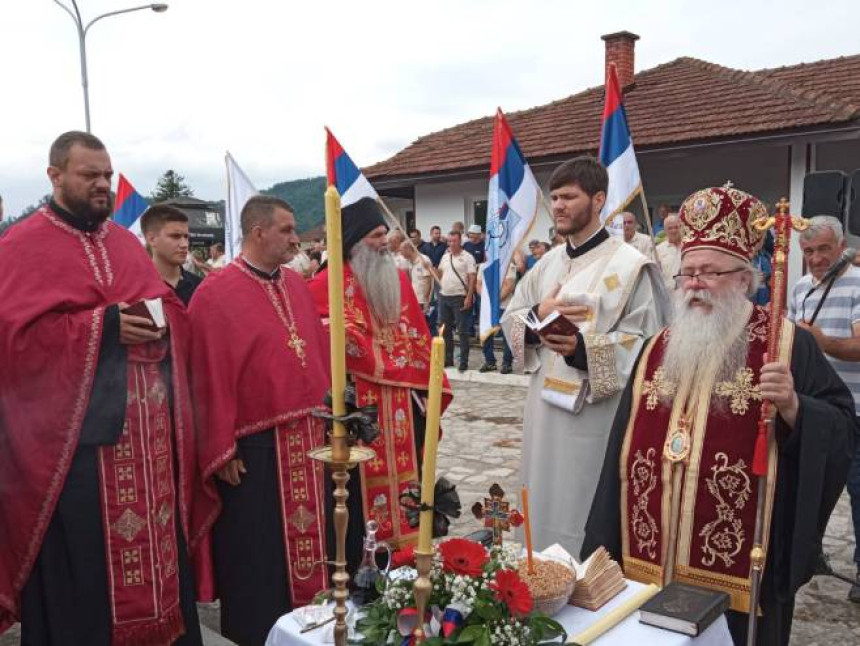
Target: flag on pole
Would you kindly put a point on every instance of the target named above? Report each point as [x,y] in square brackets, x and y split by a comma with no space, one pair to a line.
[617,155]
[512,206]
[239,189]
[129,206]
[344,175]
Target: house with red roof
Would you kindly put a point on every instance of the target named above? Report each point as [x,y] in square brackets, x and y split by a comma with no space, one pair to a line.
[694,124]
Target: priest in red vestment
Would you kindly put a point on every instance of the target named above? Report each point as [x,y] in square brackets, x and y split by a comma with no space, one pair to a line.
[97,455]
[677,496]
[260,368]
[388,359]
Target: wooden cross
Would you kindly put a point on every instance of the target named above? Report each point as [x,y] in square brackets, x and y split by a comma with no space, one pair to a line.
[497,514]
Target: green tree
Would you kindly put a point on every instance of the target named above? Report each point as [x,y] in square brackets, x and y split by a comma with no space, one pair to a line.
[33,207]
[171,185]
[30,210]
[306,197]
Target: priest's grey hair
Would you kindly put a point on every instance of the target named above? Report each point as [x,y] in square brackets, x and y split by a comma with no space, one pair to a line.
[379,279]
[706,344]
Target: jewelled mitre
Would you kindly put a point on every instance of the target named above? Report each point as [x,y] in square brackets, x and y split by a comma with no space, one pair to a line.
[722,219]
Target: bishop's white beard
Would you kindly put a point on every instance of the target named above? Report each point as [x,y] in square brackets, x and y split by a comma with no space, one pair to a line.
[705,345]
[379,279]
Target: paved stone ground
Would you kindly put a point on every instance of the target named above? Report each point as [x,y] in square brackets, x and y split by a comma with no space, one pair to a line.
[482,444]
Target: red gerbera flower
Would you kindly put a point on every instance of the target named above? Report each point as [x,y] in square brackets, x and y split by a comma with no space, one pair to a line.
[462,556]
[512,591]
[402,557]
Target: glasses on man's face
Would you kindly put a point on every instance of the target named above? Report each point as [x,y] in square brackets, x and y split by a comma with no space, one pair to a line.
[708,277]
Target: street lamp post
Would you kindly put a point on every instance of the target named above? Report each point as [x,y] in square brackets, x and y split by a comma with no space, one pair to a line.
[82,40]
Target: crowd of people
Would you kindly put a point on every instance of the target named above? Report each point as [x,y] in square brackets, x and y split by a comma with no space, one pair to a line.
[156,410]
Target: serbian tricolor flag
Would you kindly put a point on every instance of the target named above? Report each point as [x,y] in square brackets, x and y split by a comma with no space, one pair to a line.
[616,154]
[128,207]
[512,206]
[344,175]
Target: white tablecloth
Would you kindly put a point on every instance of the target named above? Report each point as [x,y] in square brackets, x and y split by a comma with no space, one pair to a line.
[629,632]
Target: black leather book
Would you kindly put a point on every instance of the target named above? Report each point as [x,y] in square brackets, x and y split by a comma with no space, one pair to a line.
[684,608]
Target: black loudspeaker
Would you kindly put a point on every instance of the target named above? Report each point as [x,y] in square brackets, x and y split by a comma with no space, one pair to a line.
[824,193]
[853,192]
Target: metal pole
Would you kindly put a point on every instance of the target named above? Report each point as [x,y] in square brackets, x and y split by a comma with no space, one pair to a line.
[82,41]
[85,81]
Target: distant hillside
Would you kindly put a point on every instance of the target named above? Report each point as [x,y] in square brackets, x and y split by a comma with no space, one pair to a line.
[306,197]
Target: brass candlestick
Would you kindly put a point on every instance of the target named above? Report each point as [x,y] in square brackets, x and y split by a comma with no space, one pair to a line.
[340,475]
[422,589]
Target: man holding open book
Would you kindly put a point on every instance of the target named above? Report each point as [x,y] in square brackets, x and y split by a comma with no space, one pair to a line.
[97,454]
[577,321]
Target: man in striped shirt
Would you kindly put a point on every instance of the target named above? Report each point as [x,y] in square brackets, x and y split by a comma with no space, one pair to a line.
[835,323]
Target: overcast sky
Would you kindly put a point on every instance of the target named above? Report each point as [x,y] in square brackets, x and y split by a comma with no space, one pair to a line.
[262,77]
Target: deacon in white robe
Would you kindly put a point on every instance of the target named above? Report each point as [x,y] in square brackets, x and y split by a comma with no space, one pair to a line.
[617,298]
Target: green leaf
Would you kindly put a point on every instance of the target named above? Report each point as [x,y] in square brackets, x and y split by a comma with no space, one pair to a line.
[488,611]
[484,639]
[544,627]
[470,634]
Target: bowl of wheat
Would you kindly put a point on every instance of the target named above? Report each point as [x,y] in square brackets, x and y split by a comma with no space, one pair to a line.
[551,583]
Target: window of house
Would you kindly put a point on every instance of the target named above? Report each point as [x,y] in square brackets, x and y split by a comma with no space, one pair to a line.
[479,214]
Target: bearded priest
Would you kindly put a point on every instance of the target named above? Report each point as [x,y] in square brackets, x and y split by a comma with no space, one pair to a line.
[677,497]
[388,360]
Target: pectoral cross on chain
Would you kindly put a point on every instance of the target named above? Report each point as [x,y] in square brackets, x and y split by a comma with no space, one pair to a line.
[297,345]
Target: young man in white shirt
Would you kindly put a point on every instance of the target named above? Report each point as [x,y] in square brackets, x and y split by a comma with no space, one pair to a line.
[456,295]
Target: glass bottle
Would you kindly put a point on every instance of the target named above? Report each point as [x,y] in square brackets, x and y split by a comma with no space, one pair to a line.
[368,573]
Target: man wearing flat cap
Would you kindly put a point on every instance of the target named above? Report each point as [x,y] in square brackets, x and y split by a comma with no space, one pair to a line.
[388,360]
[677,495]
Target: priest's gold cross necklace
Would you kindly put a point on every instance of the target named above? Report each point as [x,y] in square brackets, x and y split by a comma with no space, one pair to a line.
[272,288]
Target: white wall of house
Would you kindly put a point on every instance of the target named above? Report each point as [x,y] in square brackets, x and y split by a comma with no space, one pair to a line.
[443,204]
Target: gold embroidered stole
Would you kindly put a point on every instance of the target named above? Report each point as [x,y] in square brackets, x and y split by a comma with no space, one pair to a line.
[138,496]
[389,475]
[693,520]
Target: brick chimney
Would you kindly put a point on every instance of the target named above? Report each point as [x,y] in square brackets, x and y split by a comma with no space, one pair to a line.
[620,48]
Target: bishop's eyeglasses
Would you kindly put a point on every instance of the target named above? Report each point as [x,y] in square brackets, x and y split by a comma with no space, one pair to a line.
[708,277]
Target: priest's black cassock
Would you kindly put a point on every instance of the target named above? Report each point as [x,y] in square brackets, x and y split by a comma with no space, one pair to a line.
[812,468]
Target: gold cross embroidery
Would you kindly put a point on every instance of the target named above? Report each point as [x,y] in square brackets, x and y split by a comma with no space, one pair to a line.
[658,387]
[302,519]
[297,345]
[741,390]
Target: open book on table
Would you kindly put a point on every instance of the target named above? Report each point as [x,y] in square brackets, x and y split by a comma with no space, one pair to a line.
[598,578]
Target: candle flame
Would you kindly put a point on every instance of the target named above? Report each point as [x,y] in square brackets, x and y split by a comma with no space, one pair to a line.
[442,330]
